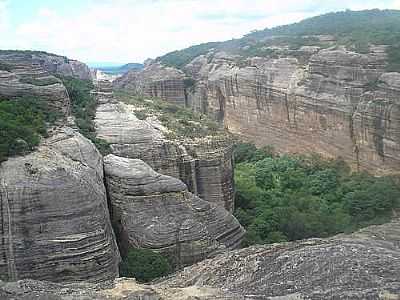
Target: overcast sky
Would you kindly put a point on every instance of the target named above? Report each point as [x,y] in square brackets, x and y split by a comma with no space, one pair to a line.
[133,30]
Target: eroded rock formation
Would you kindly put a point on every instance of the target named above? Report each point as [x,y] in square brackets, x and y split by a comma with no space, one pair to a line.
[155,211]
[54,222]
[203,164]
[51,63]
[334,102]
[364,265]
[155,80]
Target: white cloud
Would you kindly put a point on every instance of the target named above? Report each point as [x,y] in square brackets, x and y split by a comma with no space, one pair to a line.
[132,30]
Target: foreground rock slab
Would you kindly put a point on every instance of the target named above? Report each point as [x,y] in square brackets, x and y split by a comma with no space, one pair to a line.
[155,211]
[54,221]
[364,265]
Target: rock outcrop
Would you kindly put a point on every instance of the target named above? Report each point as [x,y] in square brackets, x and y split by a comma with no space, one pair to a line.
[51,63]
[333,101]
[203,164]
[364,265]
[155,80]
[155,211]
[54,221]
[31,74]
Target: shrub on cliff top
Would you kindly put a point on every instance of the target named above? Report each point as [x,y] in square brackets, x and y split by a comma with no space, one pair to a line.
[144,265]
[22,122]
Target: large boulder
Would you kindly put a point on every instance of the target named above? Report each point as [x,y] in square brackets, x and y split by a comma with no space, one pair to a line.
[203,164]
[155,211]
[54,217]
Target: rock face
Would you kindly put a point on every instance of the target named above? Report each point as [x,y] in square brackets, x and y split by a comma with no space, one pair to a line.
[155,211]
[155,80]
[364,265]
[204,165]
[31,74]
[55,64]
[54,222]
[334,102]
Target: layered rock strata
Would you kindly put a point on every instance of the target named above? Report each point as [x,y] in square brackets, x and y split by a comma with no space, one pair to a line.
[203,164]
[155,80]
[54,220]
[364,265]
[334,102]
[155,211]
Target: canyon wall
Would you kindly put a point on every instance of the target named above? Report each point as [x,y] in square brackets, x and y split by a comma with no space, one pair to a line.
[155,80]
[332,101]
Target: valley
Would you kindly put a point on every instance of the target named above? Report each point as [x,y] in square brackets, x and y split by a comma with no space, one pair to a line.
[264,167]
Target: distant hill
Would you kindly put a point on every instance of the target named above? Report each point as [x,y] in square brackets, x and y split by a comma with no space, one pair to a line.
[114,70]
[355,29]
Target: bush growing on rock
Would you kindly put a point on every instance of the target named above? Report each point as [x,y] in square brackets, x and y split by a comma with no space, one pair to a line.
[22,122]
[144,265]
[286,198]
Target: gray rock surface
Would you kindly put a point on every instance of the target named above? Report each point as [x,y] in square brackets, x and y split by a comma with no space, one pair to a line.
[51,63]
[155,211]
[203,164]
[364,265]
[155,80]
[54,221]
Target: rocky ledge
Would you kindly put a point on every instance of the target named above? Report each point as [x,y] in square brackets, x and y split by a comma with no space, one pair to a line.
[155,211]
[364,265]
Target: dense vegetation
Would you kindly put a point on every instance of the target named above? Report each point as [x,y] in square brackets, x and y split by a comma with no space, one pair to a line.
[84,109]
[22,122]
[144,265]
[180,121]
[355,29]
[286,198]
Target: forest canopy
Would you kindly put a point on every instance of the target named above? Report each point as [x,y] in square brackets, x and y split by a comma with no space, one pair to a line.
[292,197]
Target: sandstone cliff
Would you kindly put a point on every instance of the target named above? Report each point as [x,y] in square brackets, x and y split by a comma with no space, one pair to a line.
[333,101]
[155,211]
[364,265]
[203,164]
[54,217]
[337,103]
[155,80]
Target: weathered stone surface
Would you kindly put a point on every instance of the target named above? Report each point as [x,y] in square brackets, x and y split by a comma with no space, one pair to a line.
[122,289]
[333,101]
[54,221]
[19,61]
[155,211]
[31,74]
[203,164]
[155,80]
[364,265]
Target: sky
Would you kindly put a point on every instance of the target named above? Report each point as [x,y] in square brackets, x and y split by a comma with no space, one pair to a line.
[122,31]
